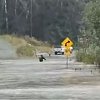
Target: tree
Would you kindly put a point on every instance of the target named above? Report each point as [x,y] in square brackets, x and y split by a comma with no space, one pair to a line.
[47,20]
[92,20]
[91,33]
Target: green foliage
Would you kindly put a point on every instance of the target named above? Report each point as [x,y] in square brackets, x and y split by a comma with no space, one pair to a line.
[92,20]
[89,58]
[86,58]
[91,34]
[26,51]
[97,60]
[79,56]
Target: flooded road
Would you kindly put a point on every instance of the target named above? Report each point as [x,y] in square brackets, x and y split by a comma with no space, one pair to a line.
[7,51]
[48,80]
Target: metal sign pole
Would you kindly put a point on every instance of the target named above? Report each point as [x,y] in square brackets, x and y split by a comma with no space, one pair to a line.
[67,62]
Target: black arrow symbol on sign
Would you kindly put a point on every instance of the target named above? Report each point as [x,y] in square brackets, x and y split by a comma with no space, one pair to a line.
[67,42]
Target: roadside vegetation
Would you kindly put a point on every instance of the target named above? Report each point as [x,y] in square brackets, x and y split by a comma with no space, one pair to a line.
[89,57]
[89,37]
[26,46]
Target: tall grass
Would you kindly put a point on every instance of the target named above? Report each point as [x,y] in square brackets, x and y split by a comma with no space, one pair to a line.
[14,40]
[25,51]
[26,46]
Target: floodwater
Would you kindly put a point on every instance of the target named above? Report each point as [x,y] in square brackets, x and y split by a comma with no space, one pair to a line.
[52,79]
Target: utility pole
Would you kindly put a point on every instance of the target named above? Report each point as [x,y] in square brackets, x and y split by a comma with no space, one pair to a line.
[67,62]
[31,18]
[15,7]
[6,16]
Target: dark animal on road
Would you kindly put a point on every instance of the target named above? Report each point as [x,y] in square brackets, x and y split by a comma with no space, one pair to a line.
[41,58]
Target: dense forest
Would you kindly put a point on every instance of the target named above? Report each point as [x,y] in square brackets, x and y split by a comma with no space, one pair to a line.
[47,20]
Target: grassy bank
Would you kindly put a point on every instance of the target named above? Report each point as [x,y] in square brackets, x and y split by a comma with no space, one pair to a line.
[26,46]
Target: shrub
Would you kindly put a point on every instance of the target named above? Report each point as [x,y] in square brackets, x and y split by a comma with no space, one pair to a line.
[97,60]
[85,57]
[79,56]
[89,58]
[26,51]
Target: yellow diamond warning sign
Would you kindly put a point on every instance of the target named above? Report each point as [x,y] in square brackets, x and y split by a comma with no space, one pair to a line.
[67,42]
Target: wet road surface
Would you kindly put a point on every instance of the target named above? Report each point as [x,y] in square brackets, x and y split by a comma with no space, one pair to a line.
[49,80]
[7,51]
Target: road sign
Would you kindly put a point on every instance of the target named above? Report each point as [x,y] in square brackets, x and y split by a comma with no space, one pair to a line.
[67,42]
[67,52]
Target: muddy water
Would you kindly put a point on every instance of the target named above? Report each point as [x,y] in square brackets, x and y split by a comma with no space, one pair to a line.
[49,80]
